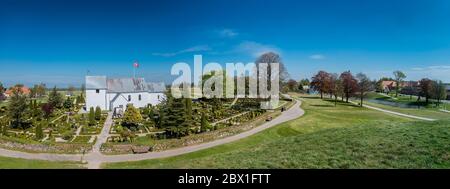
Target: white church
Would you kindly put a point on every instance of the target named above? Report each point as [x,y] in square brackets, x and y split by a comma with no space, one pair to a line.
[115,94]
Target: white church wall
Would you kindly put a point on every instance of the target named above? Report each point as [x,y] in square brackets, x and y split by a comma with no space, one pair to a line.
[122,99]
[94,99]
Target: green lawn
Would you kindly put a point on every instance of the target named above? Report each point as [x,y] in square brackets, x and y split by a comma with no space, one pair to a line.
[15,163]
[345,136]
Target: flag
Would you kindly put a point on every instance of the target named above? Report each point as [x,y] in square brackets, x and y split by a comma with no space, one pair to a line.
[136,64]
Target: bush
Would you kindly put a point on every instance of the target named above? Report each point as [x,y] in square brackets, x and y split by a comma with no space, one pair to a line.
[92,117]
[39,132]
[67,135]
[132,117]
[68,103]
[98,113]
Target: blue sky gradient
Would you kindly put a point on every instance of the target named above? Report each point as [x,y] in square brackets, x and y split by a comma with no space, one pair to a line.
[57,42]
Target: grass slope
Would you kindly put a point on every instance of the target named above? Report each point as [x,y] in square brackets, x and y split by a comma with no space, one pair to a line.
[15,163]
[327,137]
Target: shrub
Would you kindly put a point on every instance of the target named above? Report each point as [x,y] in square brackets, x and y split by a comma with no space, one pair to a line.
[68,103]
[39,132]
[98,113]
[204,123]
[92,117]
[67,135]
[132,116]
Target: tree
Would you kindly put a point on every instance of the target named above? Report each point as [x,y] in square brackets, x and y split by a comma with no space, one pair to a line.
[92,117]
[321,82]
[17,108]
[292,85]
[39,132]
[188,106]
[151,114]
[68,103]
[47,109]
[364,85]
[204,125]
[173,116]
[80,99]
[426,88]
[349,84]
[335,86]
[55,99]
[439,91]
[272,58]
[2,91]
[303,82]
[399,76]
[98,113]
[4,128]
[38,91]
[132,117]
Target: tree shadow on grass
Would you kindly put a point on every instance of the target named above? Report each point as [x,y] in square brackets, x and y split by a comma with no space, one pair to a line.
[322,105]
[341,103]
[311,97]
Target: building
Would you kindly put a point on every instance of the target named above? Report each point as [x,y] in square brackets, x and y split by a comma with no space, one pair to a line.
[388,86]
[115,94]
[23,89]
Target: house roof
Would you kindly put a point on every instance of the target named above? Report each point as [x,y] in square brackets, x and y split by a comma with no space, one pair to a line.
[23,89]
[123,85]
[388,83]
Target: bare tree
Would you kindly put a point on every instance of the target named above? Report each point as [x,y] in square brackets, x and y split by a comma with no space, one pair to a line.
[364,85]
[274,58]
[399,76]
[439,91]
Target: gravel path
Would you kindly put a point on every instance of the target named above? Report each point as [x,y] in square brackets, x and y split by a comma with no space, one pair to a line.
[395,113]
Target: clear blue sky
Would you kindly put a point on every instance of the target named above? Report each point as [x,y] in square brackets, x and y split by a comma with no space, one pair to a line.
[56,42]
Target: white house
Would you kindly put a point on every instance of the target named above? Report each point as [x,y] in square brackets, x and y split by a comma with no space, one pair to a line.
[116,94]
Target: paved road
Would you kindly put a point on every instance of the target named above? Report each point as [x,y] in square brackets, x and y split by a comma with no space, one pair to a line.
[95,158]
[395,113]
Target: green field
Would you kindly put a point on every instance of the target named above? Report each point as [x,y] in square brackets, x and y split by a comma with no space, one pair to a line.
[345,136]
[14,163]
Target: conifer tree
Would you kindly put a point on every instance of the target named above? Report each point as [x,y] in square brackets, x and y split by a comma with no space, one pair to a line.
[92,117]
[98,113]
[39,132]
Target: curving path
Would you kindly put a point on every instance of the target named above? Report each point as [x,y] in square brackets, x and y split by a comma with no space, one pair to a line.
[95,158]
[394,113]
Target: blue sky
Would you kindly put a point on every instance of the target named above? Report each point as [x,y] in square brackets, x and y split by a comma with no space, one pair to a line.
[56,42]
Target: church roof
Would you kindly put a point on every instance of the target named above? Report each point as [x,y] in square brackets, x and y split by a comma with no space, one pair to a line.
[123,85]
[96,82]
[127,85]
